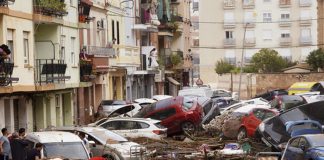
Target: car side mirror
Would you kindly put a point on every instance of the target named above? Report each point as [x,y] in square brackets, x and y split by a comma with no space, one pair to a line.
[92,143]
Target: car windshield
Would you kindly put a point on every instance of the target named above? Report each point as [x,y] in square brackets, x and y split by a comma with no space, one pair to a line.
[70,150]
[187,103]
[105,135]
[101,121]
[113,102]
[121,111]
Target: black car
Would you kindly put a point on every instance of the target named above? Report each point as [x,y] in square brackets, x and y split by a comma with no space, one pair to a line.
[270,95]
[273,131]
[286,102]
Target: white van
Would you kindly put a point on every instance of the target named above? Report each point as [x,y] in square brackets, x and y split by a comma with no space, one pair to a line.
[58,145]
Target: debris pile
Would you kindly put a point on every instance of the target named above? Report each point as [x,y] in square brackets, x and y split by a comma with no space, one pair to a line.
[227,123]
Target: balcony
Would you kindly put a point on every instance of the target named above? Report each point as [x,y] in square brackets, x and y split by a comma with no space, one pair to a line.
[305,40]
[5,3]
[50,8]
[285,23]
[248,4]
[285,41]
[229,42]
[86,71]
[229,4]
[84,11]
[50,71]
[228,24]
[305,21]
[249,23]
[284,3]
[305,3]
[249,42]
[99,57]
[6,70]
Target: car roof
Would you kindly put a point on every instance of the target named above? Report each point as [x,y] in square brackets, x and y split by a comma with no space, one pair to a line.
[248,108]
[161,97]
[134,119]
[53,137]
[144,100]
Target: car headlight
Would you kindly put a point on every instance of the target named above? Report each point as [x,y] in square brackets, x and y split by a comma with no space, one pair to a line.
[320,154]
[262,127]
[124,152]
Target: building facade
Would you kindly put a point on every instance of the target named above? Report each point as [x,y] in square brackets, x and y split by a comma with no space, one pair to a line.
[289,27]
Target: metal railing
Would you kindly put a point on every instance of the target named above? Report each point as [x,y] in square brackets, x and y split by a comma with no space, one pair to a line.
[85,71]
[50,71]
[6,70]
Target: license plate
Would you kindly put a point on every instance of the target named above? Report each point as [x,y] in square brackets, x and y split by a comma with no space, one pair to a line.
[266,142]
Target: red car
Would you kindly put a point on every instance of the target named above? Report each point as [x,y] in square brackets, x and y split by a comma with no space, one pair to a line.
[177,114]
[252,115]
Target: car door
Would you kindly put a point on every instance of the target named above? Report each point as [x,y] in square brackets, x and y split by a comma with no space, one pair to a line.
[96,148]
[114,126]
[291,149]
[167,118]
[253,121]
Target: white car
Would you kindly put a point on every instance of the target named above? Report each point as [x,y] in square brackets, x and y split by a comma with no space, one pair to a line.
[136,127]
[199,92]
[104,143]
[258,101]
[128,110]
[58,144]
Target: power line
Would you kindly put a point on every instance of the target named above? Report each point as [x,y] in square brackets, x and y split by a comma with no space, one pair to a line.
[246,48]
[238,22]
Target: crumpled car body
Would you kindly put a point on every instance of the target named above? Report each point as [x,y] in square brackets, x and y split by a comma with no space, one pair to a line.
[273,131]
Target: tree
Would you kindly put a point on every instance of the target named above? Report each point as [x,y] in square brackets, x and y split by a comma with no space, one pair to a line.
[316,59]
[175,59]
[268,61]
[223,67]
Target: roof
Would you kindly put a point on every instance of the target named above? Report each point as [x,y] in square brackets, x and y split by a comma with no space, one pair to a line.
[300,66]
[52,137]
[248,108]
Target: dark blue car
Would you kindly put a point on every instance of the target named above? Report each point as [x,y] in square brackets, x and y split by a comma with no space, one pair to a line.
[305,147]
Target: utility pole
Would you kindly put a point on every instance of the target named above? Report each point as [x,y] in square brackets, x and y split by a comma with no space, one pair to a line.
[242,60]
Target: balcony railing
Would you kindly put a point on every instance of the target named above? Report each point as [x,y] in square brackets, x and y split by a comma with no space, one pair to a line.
[305,3]
[5,3]
[285,23]
[249,23]
[229,23]
[284,3]
[6,70]
[305,40]
[285,41]
[305,21]
[249,42]
[85,71]
[248,4]
[50,71]
[50,8]
[228,42]
[229,4]
[101,51]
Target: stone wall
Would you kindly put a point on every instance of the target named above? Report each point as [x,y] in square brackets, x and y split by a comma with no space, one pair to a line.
[253,84]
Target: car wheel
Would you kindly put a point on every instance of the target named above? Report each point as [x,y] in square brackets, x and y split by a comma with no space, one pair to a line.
[188,127]
[242,134]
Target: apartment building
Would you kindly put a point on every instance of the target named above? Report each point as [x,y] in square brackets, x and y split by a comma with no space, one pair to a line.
[289,27]
[43,39]
[194,32]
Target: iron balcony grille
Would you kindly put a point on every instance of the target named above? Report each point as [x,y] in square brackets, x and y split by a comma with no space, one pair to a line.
[50,71]
[6,70]
[85,71]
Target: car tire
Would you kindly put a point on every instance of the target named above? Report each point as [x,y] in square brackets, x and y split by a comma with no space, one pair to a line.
[242,134]
[188,127]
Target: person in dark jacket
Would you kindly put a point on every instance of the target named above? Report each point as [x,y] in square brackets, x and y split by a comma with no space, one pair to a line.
[18,145]
[35,153]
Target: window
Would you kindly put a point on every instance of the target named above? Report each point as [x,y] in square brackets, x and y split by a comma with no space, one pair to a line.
[143,125]
[285,16]
[72,51]
[268,114]
[230,57]
[267,17]
[118,40]
[161,115]
[294,143]
[285,53]
[284,2]
[249,17]
[303,143]
[71,3]
[229,35]
[228,17]
[26,47]
[258,113]
[249,54]
[62,52]
[285,34]
[305,15]
[267,34]
[248,2]
[305,33]
[10,43]
[113,30]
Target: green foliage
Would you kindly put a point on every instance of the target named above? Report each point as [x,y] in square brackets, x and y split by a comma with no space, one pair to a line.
[250,69]
[51,5]
[223,67]
[316,59]
[268,61]
[175,59]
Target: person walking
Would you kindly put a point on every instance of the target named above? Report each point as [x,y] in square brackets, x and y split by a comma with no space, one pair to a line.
[35,153]
[5,150]
[18,145]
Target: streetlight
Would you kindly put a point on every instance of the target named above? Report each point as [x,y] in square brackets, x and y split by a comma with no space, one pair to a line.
[242,60]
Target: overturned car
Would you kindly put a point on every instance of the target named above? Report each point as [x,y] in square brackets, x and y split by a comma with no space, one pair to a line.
[278,130]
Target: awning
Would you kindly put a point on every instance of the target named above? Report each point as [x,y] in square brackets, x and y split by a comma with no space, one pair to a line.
[173,81]
[87,2]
